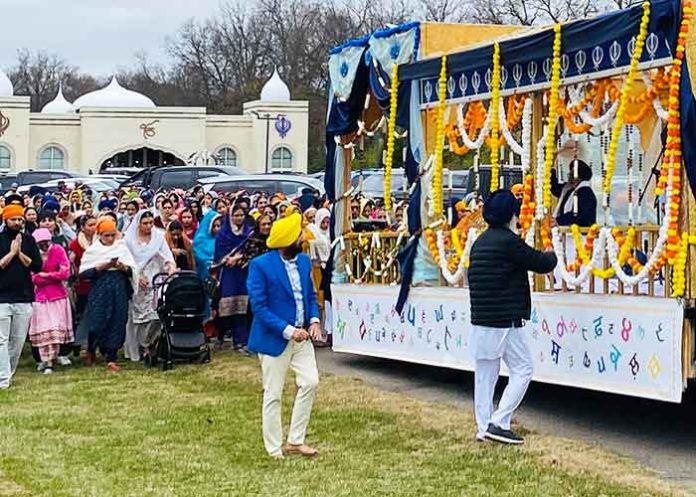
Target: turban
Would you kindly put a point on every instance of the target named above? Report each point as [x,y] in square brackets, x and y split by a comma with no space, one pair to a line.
[255,214]
[105,225]
[499,208]
[42,235]
[12,210]
[50,204]
[517,189]
[285,232]
[460,206]
[108,204]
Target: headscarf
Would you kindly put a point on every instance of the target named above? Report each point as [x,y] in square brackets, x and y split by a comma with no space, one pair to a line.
[98,253]
[307,213]
[30,226]
[185,242]
[320,246]
[204,244]
[285,232]
[231,238]
[198,215]
[142,254]
[189,232]
[316,227]
[105,224]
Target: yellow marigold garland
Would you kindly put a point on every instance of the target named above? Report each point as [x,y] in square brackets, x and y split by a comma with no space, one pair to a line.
[553,115]
[495,119]
[679,274]
[391,138]
[625,92]
[673,146]
[440,139]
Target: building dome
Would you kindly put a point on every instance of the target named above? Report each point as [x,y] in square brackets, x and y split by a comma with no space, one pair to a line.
[275,89]
[6,88]
[58,105]
[114,95]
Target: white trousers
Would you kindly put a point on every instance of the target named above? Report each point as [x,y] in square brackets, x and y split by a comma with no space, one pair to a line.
[140,336]
[299,357]
[490,345]
[14,326]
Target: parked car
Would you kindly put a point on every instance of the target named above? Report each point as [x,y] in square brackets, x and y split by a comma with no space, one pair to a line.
[6,182]
[290,185]
[184,177]
[97,185]
[35,176]
[373,185]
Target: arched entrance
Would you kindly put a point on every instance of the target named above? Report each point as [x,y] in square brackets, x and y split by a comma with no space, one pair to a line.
[141,157]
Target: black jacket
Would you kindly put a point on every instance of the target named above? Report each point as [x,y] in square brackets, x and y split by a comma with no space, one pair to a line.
[16,286]
[498,283]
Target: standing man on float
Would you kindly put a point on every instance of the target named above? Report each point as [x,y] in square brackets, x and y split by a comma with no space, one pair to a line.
[500,304]
[19,257]
[286,319]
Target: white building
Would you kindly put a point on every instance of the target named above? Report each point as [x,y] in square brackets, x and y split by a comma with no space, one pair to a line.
[119,127]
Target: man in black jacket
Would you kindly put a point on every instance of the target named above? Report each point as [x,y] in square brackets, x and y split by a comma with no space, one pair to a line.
[19,257]
[500,303]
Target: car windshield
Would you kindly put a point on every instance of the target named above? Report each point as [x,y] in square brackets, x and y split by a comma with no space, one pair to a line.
[231,170]
[375,182]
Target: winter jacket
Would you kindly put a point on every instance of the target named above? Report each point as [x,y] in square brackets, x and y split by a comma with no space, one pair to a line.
[498,280]
[50,282]
[16,286]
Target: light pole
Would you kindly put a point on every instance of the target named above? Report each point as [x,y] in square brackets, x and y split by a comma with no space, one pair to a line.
[268,118]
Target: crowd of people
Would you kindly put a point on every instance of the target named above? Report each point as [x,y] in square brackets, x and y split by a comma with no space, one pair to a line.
[77,281]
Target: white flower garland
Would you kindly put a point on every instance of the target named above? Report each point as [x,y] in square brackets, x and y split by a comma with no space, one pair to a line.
[526,135]
[539,177]
[601,120]
[455,278]
[478,143]
[586,271]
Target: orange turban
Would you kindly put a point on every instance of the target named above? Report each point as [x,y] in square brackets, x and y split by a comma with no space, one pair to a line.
[12,210]
[105,225]
[517,189]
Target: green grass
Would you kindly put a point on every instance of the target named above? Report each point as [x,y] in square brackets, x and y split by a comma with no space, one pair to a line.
[195,431]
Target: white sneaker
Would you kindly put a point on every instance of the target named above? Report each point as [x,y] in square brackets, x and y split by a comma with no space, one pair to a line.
[40,366]
[64,360]
[48,371]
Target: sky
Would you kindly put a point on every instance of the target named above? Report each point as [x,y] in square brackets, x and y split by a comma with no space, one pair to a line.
[98,36]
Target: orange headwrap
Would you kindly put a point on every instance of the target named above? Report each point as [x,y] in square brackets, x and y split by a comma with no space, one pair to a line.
[12,210]
[105,225]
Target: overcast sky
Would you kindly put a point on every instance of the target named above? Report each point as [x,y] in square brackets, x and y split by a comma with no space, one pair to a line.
[96,35]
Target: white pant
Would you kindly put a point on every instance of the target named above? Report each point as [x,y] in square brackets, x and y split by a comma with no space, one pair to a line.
[14,326]
[489,346]
[140,336]
[299,357]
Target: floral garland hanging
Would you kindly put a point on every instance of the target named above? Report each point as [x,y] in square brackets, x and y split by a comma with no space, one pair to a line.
[553,116]
[528,206]
[495,122]
[391,138]
[679,274]
[673,146]
[440,139]
[623,101]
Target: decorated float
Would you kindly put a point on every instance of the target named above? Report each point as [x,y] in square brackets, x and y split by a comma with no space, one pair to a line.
[614,92]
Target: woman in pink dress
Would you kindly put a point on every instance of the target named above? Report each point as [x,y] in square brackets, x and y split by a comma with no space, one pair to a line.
[51,321]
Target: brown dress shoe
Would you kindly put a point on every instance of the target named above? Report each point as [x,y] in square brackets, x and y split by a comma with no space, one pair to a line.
[302,449]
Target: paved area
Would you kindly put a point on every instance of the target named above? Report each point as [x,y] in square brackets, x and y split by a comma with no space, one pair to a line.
[659,435]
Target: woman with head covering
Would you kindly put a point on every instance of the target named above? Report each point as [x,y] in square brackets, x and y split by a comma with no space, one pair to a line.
[320,245]
[229,253]
[51,321]
[87,226]
[109,265]
[152,256]
[132,208]
[196,210]
[204,243]
[180,245]
[31,218]
[256,245]
[188,222]
[87,208]
[309,215]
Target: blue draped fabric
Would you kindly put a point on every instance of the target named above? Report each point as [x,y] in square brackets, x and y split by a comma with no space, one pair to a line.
[602,43]
[344,61]
[688,125]
[407,256]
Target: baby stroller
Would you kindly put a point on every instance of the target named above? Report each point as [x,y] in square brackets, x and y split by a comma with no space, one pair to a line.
[180,304]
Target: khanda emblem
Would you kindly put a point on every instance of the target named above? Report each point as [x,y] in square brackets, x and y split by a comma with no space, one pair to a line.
[283,125]
[4,123]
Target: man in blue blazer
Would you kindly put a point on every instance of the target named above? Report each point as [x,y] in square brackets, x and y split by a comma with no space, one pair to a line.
[286,318]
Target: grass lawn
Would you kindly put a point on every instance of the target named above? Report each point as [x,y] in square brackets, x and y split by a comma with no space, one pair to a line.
[195,431]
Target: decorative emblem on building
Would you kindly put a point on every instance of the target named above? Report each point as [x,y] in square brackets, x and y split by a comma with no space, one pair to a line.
[4,123]
[148,129]
[283,125]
